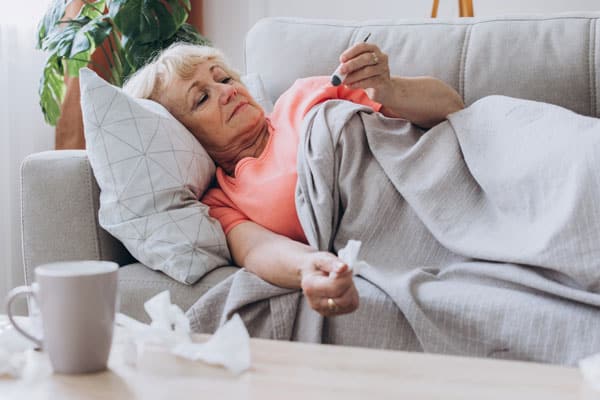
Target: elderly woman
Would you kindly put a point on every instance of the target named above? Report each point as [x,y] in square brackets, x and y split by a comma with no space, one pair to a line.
[253,197]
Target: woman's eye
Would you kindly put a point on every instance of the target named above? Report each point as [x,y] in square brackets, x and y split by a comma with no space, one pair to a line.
[201,100]
[227,80]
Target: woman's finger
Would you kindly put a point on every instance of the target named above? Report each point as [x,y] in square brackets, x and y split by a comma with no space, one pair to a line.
[374,74]
[360,62]
[330,264]
[331,277]
[317,286]
[346,303]
[357,49]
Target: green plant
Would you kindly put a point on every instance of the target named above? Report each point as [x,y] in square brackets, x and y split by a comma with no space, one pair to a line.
[126,32]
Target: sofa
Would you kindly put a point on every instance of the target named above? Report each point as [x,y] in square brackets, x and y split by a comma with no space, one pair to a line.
[554,59]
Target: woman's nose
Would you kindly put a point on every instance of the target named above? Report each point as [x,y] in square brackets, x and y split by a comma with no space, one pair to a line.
[228,92]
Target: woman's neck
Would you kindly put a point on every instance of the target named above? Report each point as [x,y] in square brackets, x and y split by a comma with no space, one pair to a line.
[254,149]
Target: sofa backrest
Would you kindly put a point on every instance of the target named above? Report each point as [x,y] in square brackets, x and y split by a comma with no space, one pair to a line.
[555,59]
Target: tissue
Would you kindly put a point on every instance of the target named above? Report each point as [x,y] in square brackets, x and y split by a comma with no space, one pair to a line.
[13,347]
[349,255]
[590,369]
[229,346]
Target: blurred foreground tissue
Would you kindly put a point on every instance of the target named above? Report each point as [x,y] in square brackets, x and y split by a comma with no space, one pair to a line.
[13,348]
[229,346]
[590,369]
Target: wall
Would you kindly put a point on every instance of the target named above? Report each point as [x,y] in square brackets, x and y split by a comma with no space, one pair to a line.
[227,21]
[22,127]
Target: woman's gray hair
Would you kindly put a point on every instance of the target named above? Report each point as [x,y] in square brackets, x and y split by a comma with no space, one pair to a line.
[179,59]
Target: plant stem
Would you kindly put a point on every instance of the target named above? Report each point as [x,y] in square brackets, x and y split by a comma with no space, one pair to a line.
[116,57]
[108,60]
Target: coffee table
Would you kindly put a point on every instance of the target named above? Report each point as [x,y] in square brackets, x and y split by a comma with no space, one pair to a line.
[307,371]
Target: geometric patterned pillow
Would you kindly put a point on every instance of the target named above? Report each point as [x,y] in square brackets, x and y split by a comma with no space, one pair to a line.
[151,172]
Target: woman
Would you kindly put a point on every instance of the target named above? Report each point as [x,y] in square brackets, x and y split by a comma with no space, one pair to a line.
[256,154]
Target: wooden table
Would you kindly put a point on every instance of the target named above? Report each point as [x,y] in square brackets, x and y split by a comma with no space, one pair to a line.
[283,370]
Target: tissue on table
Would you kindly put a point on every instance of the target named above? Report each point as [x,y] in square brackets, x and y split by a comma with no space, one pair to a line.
[229,346]
[349,255]
[590,369]
[13,347]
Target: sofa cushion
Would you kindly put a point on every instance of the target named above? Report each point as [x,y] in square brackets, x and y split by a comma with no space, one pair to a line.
[137,284]
[151,172]
[549,58]
[256,87]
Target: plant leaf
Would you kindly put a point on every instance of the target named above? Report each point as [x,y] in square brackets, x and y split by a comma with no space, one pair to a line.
[140,53]
[147,21]
[92,9]
[59,41]
[188,33]
[99,29]
[52,90]
[56,10]
[78,61]
[91,35]
[81,41]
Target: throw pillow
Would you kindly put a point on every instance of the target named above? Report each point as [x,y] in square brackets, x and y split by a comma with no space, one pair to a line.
[151,172]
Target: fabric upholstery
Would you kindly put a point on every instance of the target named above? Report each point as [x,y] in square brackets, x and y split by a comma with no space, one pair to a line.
[137,284]
[256,87]
[59,206]
[546,58]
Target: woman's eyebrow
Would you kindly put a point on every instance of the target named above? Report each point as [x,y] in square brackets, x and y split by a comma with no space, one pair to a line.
[193,85]
[189,99]
[197,83]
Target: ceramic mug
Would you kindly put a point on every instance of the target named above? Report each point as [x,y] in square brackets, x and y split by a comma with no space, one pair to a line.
[77,301]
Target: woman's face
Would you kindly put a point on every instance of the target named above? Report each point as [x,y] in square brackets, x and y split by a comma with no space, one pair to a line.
[217,109]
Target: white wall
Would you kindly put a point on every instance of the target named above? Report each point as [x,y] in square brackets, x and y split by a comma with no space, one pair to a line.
[227,21]
[22,127]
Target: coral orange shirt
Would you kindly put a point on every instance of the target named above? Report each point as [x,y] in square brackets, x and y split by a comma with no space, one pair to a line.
[263,188]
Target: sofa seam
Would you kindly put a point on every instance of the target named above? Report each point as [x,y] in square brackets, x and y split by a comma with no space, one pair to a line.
[468,22]
[24,257]
[594,111]
[462,71]
[88,172]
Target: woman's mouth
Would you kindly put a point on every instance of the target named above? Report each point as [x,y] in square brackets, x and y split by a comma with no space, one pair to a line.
[238,107]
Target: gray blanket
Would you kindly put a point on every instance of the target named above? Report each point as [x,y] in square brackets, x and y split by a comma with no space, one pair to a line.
[482,234]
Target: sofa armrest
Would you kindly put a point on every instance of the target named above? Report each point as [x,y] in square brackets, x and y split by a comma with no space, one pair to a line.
[59,212]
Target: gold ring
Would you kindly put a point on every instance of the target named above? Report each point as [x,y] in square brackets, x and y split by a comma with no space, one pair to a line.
[332,305]
[375,58]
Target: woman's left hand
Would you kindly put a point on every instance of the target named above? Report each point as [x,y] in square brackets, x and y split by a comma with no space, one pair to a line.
[424,101]
[366,67]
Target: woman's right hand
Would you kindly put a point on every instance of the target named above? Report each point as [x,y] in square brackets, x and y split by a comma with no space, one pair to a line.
[328,285]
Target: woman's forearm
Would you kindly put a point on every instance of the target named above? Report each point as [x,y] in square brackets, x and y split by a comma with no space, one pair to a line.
[275,258]
[424,101]
[325,280]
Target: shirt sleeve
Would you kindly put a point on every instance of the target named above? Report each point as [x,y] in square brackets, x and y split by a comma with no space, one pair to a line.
[223,209]
[356,96]
[305,93]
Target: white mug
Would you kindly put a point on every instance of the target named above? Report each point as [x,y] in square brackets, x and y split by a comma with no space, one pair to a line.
[77,302]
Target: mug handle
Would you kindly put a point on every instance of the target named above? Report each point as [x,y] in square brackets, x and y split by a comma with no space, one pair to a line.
[10,298]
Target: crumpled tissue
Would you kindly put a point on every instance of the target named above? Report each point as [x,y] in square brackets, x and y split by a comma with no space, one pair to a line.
[349,255]
[13,349]
[170,329]
[590,369]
